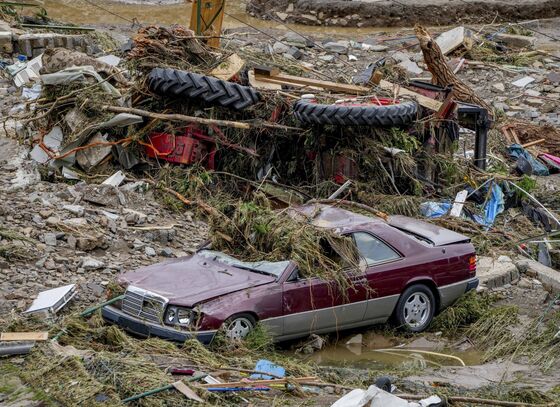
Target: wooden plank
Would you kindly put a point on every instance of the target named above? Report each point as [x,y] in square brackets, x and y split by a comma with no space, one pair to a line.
[229,68]
[533,143]
[334,86]
[425,101]
[422,100]
[270,80]
[255,83]
[211,18]
[187,391]
[24,336]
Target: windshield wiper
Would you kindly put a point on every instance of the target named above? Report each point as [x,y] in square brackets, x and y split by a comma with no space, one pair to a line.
[239,266]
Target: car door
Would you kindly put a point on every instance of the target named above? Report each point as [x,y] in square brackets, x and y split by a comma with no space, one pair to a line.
[384,273]
[312,304]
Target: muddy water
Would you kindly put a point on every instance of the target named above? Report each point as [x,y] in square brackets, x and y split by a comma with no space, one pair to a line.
[80,12]
[377,351]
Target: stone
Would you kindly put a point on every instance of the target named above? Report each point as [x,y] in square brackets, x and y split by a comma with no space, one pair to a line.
[75,222]
[295,53]
[338,47]
[411,67]
[532,92]
[280,48]
[90,263]
[167,252]
[296,40]
[500,87]
[75,209]
[290,8]
[327,58]
[50,239]
[553,77]
[149,251]
[515,41]
[374,47]
[282,16]
[310,18]
[501,106]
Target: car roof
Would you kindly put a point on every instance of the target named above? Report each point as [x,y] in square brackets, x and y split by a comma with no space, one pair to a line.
[331,217]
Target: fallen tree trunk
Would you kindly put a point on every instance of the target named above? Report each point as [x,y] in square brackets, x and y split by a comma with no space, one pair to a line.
[442,75]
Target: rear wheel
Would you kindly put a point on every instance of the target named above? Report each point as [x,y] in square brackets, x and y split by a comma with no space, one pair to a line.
[416,307]
[239,326]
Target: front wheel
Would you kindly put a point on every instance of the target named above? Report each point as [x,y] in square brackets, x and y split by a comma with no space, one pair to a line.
[238,327]
[416,307]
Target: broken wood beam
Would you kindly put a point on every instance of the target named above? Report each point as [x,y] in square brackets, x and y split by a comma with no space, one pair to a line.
[193,119]
[298,80]
[533,143]
[422,100]
[24,336]
[284,79]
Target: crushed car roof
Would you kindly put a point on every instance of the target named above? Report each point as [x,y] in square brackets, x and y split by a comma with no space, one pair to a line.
[327,216]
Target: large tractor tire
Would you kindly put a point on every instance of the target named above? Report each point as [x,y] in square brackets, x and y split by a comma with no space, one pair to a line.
[374,113]
[189,85]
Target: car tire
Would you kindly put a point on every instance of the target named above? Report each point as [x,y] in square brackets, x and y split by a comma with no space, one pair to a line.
[415,308]
[237,327]
[366,114]
[190,85]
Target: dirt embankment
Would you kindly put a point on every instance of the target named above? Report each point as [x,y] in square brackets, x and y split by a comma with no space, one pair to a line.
[401,14]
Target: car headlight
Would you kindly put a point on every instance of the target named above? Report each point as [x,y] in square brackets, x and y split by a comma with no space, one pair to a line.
[179,316]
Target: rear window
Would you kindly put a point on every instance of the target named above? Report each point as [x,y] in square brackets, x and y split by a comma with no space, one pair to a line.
[372,249]
[421,239]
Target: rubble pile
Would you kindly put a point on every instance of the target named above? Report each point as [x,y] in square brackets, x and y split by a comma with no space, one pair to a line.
[115,160]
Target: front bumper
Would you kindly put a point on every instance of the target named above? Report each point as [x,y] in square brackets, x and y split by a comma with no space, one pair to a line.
[147,329]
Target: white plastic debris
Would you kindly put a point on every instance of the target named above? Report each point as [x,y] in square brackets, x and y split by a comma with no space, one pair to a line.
[375,397]
[115,180]
[460,199]
[521,83]
[30,73]
[51,301]
[112,60]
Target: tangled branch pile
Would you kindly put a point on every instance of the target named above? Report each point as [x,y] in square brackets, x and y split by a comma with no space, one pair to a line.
[255,232]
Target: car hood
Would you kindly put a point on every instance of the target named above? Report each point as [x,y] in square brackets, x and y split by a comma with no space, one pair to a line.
[189,280]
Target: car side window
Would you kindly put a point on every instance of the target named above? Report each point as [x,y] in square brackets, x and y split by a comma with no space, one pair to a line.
[372,249]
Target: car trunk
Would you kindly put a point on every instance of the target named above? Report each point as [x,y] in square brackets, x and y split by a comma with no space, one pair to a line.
[436,235]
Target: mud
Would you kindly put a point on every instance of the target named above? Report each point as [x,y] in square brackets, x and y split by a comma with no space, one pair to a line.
[404,13]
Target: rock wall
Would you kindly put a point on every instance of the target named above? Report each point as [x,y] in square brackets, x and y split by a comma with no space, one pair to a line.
[402,13]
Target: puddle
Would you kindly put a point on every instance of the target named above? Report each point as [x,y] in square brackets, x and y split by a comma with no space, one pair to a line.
[80,12]
[376,351]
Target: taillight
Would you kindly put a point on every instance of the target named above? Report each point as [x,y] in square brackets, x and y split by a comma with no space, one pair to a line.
[472,263]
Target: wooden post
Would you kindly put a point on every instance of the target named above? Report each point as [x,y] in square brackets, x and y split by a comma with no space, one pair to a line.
[207,17]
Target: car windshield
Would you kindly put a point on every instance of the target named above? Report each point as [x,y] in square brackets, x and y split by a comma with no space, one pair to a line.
[274,268]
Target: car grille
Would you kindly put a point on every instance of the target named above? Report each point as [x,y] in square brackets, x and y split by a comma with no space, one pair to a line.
[144,304]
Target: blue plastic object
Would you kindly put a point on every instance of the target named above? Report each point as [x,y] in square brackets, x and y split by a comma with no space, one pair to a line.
[267,366]
[22,58]
[434,209]
[519,153]
[494,205]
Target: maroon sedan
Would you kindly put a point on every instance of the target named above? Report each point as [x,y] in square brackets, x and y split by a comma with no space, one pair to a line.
[413,269]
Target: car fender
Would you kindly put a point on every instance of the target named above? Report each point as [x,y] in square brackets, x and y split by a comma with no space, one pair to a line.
[426,280]
[262,301]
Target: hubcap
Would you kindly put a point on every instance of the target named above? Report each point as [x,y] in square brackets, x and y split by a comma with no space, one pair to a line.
[417,310]
[239,328]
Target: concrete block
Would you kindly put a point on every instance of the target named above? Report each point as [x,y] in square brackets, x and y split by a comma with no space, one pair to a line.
[516,41]
[494,273]
[549,277]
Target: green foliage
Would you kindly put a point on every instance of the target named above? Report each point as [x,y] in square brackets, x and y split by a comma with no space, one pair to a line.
[466,311]
[527,183]
[398,138]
